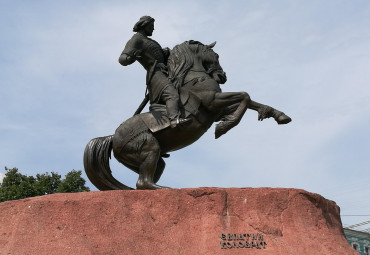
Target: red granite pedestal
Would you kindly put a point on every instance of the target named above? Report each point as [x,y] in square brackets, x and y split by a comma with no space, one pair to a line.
[174,221]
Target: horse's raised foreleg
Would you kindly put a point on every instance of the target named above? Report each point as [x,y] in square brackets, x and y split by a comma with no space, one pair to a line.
[265,111]
[238,100]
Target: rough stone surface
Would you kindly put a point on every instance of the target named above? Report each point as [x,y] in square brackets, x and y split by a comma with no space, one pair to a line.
[173,221]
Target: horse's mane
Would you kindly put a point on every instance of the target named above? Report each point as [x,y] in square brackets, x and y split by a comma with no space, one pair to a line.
[181,60]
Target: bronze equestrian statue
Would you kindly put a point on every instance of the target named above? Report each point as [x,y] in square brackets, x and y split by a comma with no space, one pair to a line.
[141,142]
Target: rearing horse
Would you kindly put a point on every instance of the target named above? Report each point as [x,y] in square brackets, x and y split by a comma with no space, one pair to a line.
[141,142]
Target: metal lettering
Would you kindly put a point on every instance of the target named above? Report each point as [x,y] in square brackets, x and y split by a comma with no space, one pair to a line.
[240,241]
[263,244]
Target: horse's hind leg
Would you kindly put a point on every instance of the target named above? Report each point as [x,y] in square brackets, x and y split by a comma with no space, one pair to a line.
[151,166]
[159,171]
[265,111]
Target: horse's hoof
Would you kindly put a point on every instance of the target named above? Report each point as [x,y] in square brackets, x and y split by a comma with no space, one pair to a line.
[219,130]
[283,119]
[218,134]
[222,128]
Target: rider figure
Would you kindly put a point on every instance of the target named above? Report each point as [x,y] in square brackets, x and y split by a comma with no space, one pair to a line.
[154,59]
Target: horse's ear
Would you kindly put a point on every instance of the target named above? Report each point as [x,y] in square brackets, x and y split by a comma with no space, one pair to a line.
[212,45]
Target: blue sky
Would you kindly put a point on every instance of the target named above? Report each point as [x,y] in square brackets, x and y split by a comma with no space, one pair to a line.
[61,85]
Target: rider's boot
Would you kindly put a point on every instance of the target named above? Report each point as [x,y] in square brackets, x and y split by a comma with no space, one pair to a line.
[174,113]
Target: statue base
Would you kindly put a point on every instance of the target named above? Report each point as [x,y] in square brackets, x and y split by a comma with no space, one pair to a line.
[174,221]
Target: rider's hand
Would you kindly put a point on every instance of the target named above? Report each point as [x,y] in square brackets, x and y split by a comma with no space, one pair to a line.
[137,54]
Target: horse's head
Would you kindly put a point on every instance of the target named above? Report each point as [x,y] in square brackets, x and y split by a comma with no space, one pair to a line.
[210,61]
[194,56]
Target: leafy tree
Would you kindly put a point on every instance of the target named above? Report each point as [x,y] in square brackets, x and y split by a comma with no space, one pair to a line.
[17,186]
[73,183]
[47,184]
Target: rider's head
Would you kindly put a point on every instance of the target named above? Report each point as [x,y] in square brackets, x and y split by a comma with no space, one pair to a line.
[145,24]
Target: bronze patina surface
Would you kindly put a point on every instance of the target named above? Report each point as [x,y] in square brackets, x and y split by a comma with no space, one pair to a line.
[186,99]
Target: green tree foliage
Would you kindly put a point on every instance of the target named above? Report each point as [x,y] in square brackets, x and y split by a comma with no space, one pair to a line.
[47,184]
[17,186]
[72,183]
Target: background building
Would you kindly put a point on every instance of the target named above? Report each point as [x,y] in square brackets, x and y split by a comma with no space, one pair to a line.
[359,240]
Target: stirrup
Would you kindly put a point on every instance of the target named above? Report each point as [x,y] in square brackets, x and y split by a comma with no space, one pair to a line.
[179,121]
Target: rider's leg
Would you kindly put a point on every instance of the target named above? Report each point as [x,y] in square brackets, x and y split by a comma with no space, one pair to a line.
[171,97]
[149,155]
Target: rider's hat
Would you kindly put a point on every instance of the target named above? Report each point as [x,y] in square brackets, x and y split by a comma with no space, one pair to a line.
[142,23]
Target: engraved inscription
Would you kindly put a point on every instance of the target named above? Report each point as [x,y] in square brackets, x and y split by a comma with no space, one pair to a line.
[244,240]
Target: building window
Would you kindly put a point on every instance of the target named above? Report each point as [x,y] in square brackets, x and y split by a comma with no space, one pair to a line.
[356,246]
[367,250]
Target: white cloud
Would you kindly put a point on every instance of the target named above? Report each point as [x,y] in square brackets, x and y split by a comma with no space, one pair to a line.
[1,177]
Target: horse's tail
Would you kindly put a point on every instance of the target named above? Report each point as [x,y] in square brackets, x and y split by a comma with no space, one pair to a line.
[96,162]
